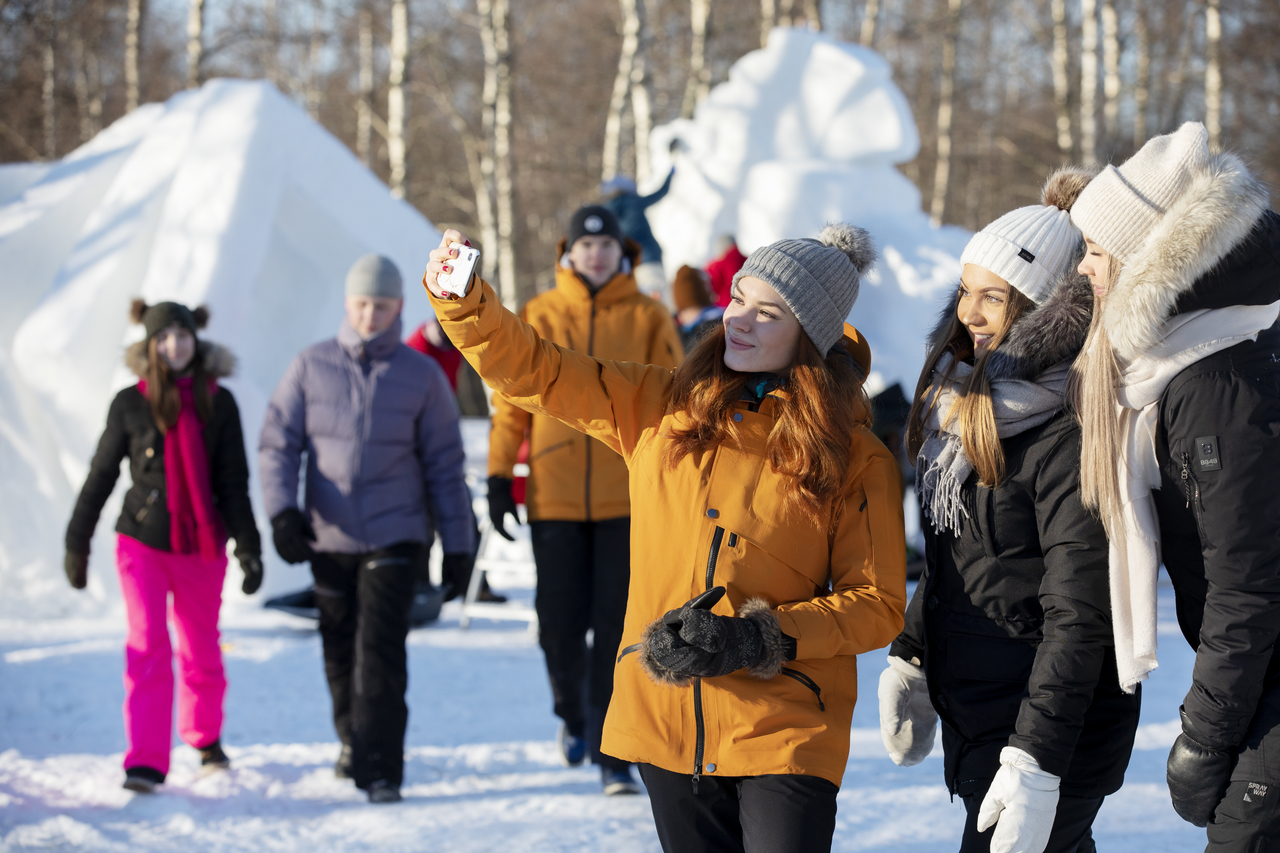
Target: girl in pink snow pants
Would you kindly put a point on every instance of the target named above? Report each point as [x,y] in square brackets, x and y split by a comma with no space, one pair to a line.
[181,433]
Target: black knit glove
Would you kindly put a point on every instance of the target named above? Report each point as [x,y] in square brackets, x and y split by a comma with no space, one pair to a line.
[501,503]
[293,536]
[693,642]
[455,573]
[77,569]
[1198,775]
[251,565]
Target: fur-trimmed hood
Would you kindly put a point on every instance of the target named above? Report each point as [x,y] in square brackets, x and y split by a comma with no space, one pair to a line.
[1217,214]
[219,362]
[1045,336]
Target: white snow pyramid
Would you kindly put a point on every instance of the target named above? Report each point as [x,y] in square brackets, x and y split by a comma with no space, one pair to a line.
[807,131]
[230,196]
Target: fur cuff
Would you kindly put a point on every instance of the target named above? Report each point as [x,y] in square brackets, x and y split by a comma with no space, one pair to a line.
[658,673]
[772,640]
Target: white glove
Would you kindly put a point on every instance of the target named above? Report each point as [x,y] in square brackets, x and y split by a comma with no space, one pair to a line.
[1024,799]
[907,718]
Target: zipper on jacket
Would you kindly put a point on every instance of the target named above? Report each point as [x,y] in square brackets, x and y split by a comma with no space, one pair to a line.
[146,507]
[807,682]
[700,742]
[1193,493]
[591,351]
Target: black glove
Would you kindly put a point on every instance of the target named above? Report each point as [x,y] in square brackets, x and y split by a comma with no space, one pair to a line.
[500,504]
[293,536]
[1198,775]
[693,642]
[456,574]
[77,569]
[251,565]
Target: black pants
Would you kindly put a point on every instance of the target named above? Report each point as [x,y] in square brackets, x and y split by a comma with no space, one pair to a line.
[584,568]
[741,814]
[364,618]
[1072,826]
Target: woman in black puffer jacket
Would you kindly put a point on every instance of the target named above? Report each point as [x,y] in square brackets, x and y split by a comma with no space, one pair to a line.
[181,433]
[1008,635]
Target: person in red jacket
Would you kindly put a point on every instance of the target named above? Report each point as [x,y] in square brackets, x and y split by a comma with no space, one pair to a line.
[720,272]
[429,340]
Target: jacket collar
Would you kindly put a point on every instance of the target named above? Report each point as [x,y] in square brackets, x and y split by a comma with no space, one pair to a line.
[219,362]
[378,348]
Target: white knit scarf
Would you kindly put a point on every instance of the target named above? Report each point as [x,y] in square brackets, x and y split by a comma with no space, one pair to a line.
[941,467]
[1134,556]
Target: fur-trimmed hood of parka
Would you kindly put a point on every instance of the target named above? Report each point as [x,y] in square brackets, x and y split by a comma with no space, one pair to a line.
[1218,211]
[219,362]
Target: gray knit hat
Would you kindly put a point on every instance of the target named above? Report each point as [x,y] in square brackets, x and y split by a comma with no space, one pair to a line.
[818,279]
[374,275]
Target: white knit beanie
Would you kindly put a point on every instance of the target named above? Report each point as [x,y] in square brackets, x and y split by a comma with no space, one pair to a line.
[1122,206]
[1032,247]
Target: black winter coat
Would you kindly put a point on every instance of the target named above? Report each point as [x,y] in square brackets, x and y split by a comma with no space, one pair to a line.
[1218,446]
[1011,619]
[132,432]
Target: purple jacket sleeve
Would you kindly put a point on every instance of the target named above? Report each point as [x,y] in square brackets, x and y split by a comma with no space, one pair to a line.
[443,467]
[283,440]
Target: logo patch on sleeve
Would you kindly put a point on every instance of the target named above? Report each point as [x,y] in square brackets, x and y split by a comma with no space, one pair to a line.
[1208,453]
[1255,791]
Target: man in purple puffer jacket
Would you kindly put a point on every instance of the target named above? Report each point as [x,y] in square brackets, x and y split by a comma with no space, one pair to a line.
[379,427]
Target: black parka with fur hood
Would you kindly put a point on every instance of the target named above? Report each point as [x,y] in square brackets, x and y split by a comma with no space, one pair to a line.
[132,432]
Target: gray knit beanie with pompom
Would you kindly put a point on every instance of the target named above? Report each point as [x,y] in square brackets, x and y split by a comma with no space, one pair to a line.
[818,279]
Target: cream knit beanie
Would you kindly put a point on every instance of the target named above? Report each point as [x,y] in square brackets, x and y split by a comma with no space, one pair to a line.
[1032,247]
[1122,206]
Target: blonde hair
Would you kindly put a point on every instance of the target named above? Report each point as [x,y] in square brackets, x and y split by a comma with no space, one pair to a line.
[1095,376]
[973,410]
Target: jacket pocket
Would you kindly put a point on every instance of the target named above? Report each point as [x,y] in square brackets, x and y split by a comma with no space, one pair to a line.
[808,682]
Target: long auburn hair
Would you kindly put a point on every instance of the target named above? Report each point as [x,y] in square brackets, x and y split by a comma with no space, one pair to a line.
[162,388]
[1091,388]
[972,410]
[809,444]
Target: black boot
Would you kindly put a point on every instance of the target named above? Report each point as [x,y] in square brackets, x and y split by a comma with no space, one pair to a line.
[142,779]
[342,767]
[212,758]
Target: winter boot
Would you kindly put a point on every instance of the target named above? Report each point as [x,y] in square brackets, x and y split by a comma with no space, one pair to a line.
[573,748]
[142,779]
[342,767]
[212,758]
[618,782]
[383,791]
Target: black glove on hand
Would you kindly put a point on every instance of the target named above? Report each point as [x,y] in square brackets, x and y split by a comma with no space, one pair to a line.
[293,536]
[1198,775]
[77,569]
[251,565]
[693,642]
[456,574]
[500,504]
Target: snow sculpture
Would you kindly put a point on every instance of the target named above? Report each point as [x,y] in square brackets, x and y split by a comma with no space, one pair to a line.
[804,132]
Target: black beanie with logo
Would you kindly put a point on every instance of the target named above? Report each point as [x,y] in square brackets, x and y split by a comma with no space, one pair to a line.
[594,221]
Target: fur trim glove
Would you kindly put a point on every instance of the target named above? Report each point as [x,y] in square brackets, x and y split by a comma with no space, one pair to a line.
[908,721]
[693,642]
[1021,804]
[1198,775]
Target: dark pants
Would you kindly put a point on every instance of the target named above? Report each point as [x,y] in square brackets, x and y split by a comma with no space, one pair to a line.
[1072,826]
[741,814]
[364,618]
[1248,818]
[584,568]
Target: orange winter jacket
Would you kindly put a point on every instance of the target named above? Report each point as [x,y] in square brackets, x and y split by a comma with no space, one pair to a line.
[716,520]
[573,477]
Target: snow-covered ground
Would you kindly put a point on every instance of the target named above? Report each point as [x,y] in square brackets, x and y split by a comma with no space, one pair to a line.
[482,772]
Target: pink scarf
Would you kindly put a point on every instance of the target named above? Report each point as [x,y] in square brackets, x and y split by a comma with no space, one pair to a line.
[194,524]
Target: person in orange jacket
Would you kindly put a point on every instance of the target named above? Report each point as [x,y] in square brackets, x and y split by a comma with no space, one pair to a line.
[766,533]
[577,502]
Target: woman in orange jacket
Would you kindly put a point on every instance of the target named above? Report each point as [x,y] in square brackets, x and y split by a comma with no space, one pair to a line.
[766,538]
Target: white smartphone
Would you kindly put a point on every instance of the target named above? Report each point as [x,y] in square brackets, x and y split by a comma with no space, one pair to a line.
[458,282]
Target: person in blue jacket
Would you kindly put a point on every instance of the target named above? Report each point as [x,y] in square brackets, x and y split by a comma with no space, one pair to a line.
[625,203]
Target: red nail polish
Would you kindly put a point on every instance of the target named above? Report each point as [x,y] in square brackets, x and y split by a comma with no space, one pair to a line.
[448,268]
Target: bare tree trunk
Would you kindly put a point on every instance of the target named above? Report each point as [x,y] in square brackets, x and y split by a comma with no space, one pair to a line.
[785,18]
[641,97]
[88,91]
[504,171]
[768,13]
[870,12]
[1213,73]
[314,54]
[1111,72]
[271,57]
[364,107]
[813,15]
[488,111]
[1062,78]
[132,30]
[1089,81]
[1142,74]
[195,42]
[395,95]
[699,82]
[50,79]
[942,169]
[621,83]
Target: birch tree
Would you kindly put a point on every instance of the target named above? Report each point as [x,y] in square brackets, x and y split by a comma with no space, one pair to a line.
[768,14]
[1142,74]
[699,82]
[364,106]
[1062,77]
[621,87]
[50,102]
[132,30]
[195,42]
[946,88]
[870,14]
[88,82]
[1111,71]
[315,54]
[497,211]
[1089,81]
[1213,73]
[641,94]
[395,96]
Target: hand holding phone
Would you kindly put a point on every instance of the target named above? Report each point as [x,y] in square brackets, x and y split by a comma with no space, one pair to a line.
[458,280]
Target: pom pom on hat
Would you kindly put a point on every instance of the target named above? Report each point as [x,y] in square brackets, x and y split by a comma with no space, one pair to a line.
[855,242]
[1064,186]
[155,318]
